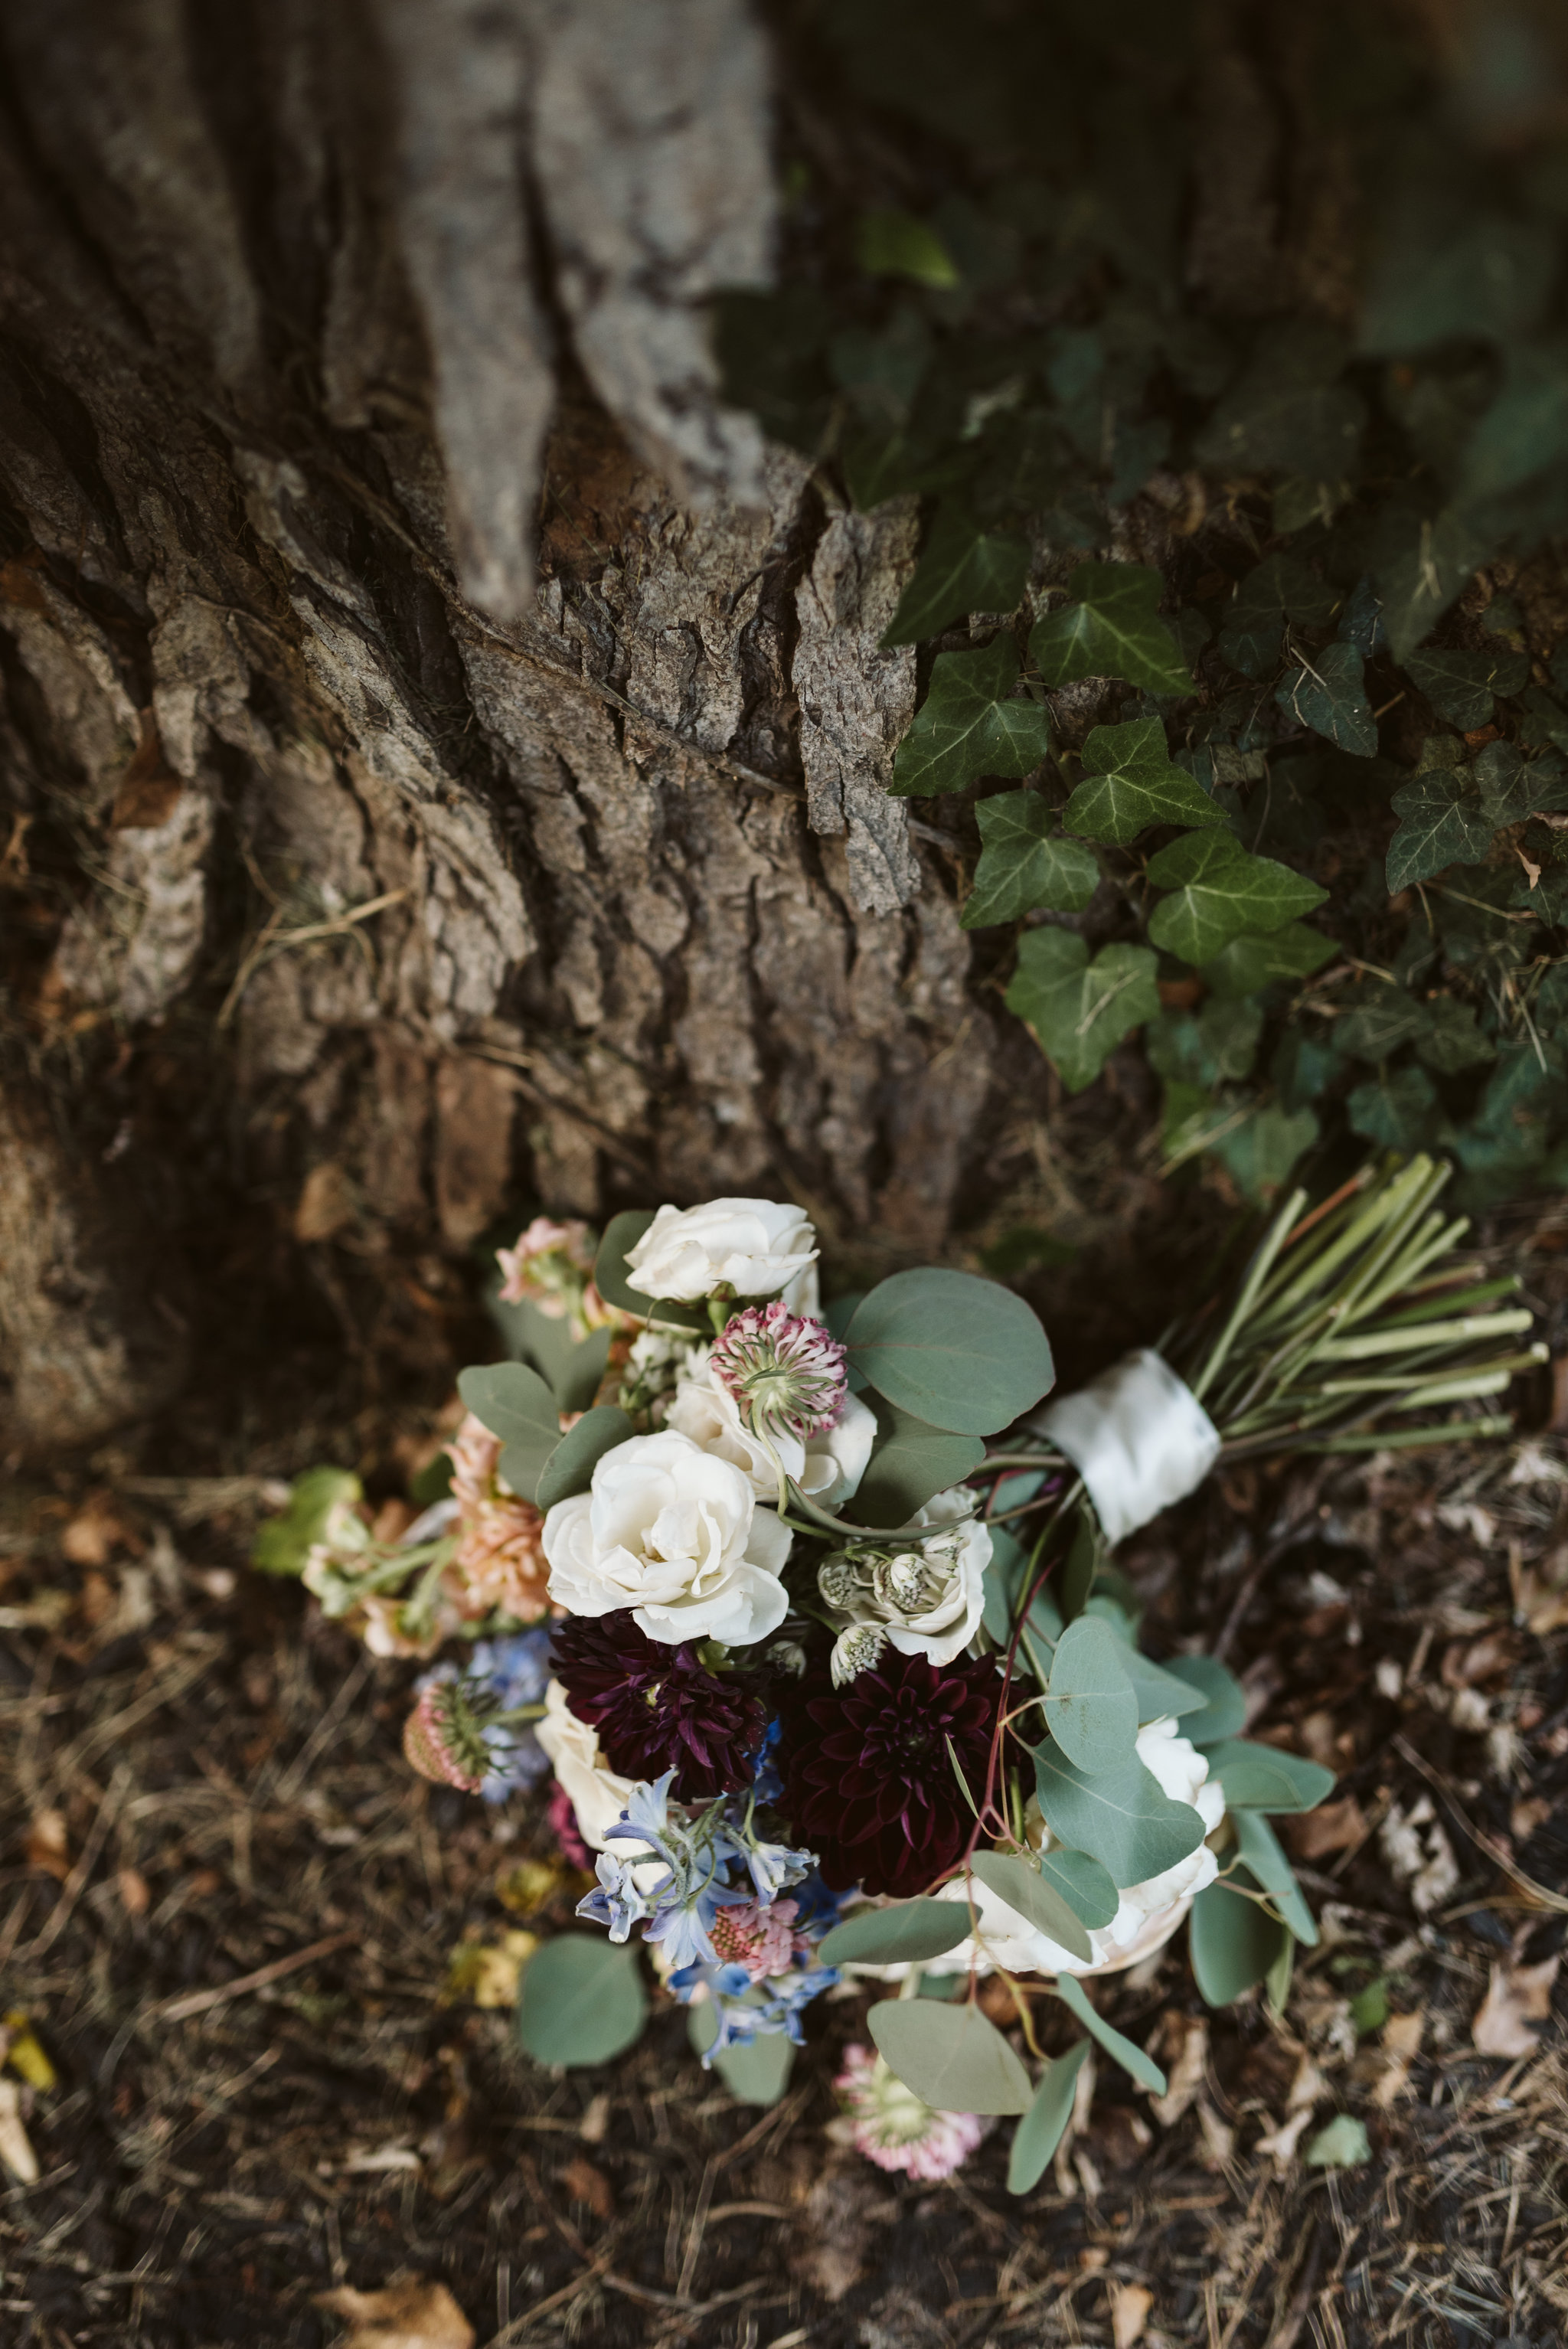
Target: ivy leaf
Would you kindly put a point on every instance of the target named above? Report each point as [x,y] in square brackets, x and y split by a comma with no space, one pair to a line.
[1263,1151]
[1265,1778]
[1422,564]
[963,569]
[1279,588]
[968,726]
[1398,1112]
[1327,692]
[1289,413]
[1234,1942]
[1452,1040]
[1442,271]
[1217,892]
[1122,1818]
[1523,431]
[1441,822]
[950,2055]
[1038,2134]
[1090,1707]
[1460,686]
[582,2000]
[1385,1017]
[1029,1894]
[1513,788]
[1249,962]
[895,244]
[1022,866]
[1129,782]
[963,1354]
[1131,2058]
[1079,1011]
[1112,628]
[911,1460]
[911,1932]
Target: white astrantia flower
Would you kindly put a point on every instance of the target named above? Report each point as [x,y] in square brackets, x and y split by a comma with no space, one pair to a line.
[1148,1913]
[754,1247]
[594,1790]
[924,1598]
[674,1532]
[827,1465]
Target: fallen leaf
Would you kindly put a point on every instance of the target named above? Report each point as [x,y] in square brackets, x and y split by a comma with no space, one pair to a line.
[1517,1996]
[95,1532]
[15,2148]
[45,1848]
[1527,1815]
[325,1203]
[1401,2044]
[1558,1422]
[1334,1826]
[1129,2307]
[1426,1863]
[1343,2145]
[1284,2141]
[487,1973]
[586,2184]
[134,1896]
[20,2048]
[1185,2074]
[413,2315]
[594,2125]
[1466,1664]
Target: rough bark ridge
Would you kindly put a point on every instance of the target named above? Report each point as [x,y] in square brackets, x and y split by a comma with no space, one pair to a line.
[306,317]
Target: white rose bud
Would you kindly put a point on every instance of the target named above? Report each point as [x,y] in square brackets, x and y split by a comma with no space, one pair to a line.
[752,1245]
[675,1534]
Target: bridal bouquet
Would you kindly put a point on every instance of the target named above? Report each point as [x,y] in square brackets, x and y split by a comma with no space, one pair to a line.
[810,1614]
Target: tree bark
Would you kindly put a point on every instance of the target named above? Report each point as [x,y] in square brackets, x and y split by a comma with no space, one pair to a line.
[430,720]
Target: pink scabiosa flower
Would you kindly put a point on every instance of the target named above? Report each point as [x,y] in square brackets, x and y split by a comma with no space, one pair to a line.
[784,1370]
[893,2128]
[442,1741]
[761,1938]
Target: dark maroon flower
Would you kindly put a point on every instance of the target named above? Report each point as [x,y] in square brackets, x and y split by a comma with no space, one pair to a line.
[658,1707]
[868,1782]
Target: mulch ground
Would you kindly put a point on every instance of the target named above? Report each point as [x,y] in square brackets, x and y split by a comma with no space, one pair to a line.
[233,1920]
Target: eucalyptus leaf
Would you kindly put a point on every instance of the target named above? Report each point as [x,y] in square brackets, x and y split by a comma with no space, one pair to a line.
[622,1233]
[1038,2134]
[1090,1707]
[911,1932]
[582,2000]
[910,1461]
[755,2071]
[1233,1941]
[958,1351]
[1084,1885]
[569,1467]
[1032,1896]
[1129,783]
[1111,628]
[1160,1692]
[1219,891]
[1024,866]
[1225,1700]
[1265,1779]
[1265,1857]
[514,1403]
[950,2055]
[1122,1818]
[1079,1011]
[963,569]
[969,724]
[1131,2058]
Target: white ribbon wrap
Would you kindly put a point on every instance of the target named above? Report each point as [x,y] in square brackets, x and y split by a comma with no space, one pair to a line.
[1138,1437]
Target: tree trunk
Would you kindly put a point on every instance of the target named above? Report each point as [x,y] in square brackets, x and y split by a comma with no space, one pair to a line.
[445,746]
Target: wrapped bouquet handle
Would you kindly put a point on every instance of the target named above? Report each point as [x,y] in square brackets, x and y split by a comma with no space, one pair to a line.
[1137,1436]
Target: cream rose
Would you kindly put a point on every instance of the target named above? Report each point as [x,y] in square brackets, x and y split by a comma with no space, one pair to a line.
[826,1465]
[1147,1914]
[594,1792]
[753,1245]
[674,1532]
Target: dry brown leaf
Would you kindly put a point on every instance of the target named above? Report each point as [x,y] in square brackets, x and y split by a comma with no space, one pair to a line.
[15,2147]
[47,1847]
[1402,2036]
[134,1896]
[95,1532]
[1333,1826]
[1527,1815]
[586,2184]
[1129,2307]
[325,1203]
[1466,1663]
[1517,1996]
[1185,2074]
[1558,1422]
[413,2315]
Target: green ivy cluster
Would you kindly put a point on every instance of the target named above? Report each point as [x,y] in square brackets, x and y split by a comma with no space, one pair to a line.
[1316,850]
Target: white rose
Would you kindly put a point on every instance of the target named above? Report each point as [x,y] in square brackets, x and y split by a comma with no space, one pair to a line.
[675,1534]
[1148,1913]
[827,1465]
[945,1629]
[753,1245]
[594,1792]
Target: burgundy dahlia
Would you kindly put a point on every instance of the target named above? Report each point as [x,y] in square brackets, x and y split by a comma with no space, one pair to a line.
[868,1782]
[658,1707]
